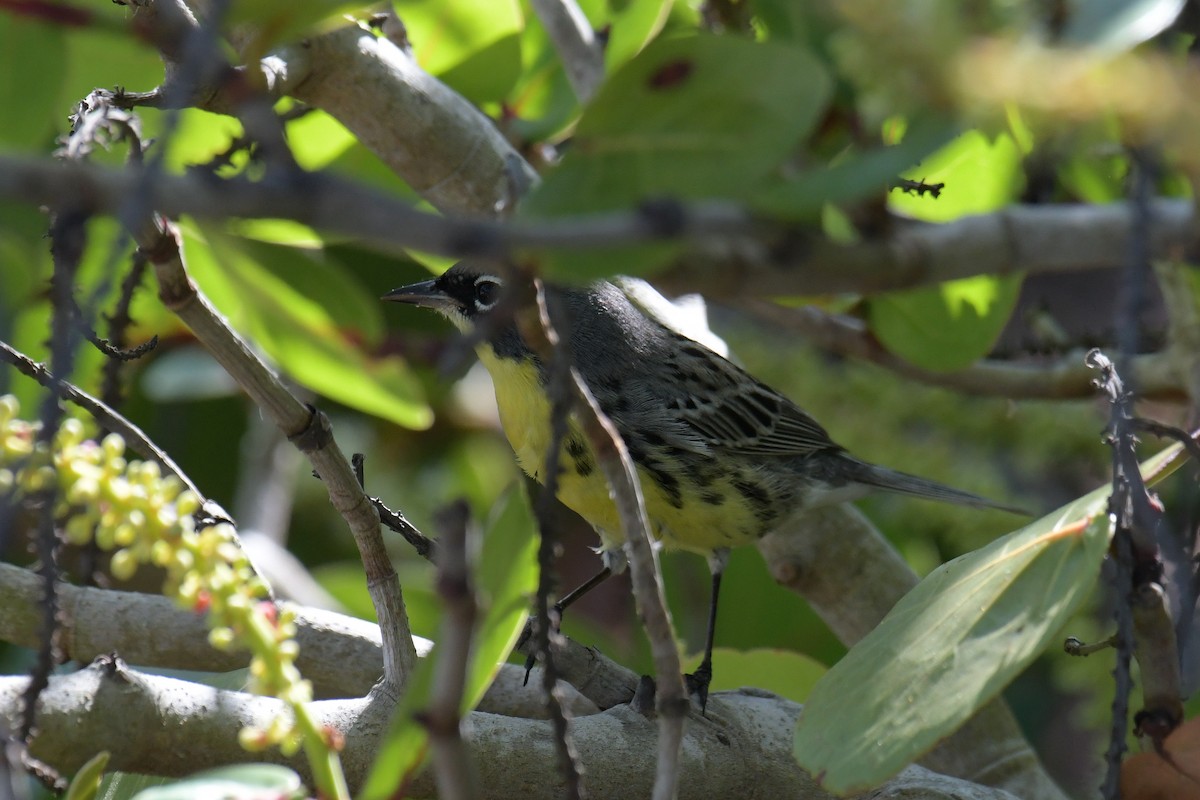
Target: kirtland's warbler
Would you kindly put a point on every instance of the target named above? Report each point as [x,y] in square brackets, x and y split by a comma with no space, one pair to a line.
[723,458]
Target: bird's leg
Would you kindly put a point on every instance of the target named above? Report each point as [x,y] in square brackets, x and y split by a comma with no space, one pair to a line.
[699,680]
[556,612]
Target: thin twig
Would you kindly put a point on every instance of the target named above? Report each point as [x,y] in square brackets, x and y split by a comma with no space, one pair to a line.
[558,387]
[305,427]
[425,547]
[615,462]
[452,765]
[730,252]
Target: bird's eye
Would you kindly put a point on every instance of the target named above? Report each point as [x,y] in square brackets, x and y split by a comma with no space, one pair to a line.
[487,292]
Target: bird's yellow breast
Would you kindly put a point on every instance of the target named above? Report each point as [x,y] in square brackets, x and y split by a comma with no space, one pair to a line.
[696,524]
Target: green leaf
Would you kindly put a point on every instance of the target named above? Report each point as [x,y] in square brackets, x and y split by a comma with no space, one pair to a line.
[505,574]
[277,21]
[678,121]
[246,781]
[784,672]
[305,315]
[86,783]
[472,45]
[952,644]
[945,327]
[631,28]
[857,175]
[981,175]
[506,577]
[1112,26]
[949,326]
[32,114]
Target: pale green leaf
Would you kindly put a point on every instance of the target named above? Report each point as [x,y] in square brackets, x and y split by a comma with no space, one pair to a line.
[86,783]
[304,324]
[952,644]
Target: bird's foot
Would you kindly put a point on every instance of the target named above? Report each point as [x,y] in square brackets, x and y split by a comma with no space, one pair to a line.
[697,684]
[524,640]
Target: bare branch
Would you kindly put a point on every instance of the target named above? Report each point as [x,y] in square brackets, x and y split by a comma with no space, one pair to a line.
[304,426]
[1020,238]
[729,253]
[452,765]
[162,726]
[341,655]
[576,43]
[1064,377]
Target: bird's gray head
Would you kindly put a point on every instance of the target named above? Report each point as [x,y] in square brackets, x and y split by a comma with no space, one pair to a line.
[462,294]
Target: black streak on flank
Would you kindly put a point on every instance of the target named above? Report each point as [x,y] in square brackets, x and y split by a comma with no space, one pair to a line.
[757,497]
[667,482]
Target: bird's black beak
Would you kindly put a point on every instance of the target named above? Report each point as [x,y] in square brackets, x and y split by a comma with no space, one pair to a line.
[425,294]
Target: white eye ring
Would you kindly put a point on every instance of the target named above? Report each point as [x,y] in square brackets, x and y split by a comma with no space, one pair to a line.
[487,291]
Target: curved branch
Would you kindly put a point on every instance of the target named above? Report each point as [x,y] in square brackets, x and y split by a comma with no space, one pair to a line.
[1061,378]
[306,427]
[163,726]
[341,655]
[428,134]
[728,252]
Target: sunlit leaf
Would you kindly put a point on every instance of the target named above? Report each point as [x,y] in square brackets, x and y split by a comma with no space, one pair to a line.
[86,783]
[857,175]
[278,21]
[316,139]
[952,643]
[472,45]
[948,326]
[505,575]
[632,28]
[980,175]
[303,331]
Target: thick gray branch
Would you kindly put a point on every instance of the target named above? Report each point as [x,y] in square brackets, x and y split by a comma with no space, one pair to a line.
[341,655]
[164,726]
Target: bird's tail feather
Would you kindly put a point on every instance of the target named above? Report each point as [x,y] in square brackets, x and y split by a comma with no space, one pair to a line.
[902,483]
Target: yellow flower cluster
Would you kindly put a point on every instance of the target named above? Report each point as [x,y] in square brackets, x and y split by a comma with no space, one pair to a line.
[141,516]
